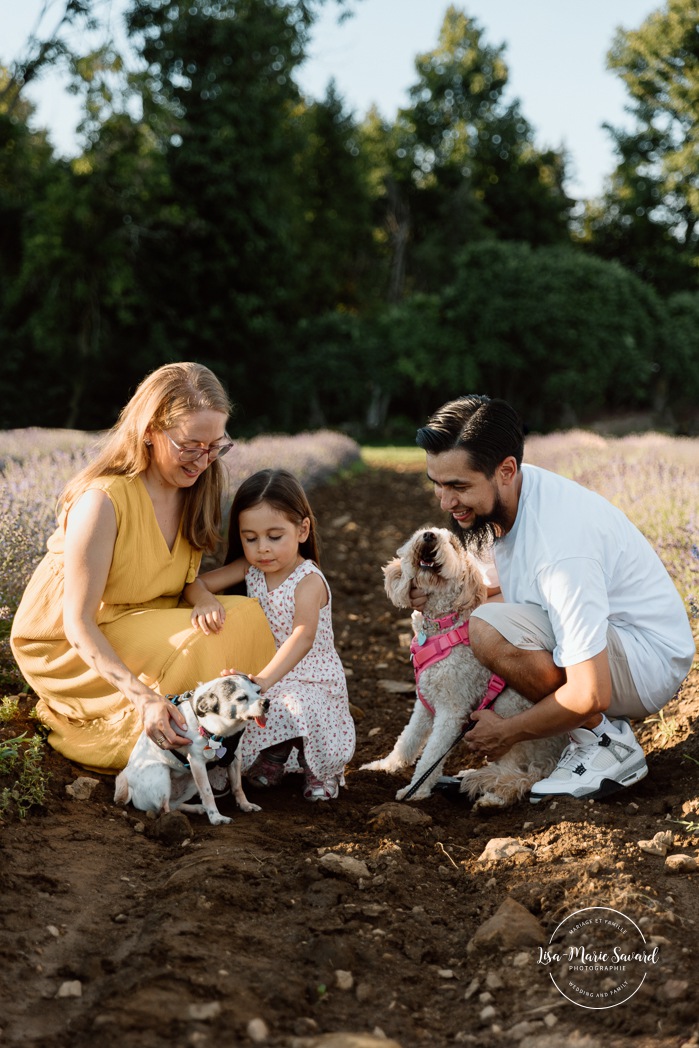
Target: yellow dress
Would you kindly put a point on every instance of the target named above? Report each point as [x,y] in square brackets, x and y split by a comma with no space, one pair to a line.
[146,622]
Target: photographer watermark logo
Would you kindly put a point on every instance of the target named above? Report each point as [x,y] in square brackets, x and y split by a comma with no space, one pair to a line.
[598,958]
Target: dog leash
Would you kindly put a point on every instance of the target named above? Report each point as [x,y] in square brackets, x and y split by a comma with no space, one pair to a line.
[488,701]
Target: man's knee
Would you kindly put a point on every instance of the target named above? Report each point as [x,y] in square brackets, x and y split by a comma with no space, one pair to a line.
[485,640]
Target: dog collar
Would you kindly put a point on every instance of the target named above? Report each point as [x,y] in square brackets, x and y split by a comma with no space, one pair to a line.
[426,652]
[446,623]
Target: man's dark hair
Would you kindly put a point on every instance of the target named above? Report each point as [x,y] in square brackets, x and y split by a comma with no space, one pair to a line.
[488,430]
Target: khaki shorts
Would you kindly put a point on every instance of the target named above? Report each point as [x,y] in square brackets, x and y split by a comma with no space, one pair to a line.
[527,626]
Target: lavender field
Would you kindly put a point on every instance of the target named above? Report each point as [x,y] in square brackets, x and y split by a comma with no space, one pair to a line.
[35,465]
[653,478]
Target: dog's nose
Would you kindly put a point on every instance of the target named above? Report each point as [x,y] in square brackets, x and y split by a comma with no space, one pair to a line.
[428,537]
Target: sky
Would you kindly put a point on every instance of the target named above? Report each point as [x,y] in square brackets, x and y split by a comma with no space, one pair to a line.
[555,50]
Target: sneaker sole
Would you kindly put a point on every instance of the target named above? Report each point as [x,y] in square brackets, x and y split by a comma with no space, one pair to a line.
[606,787]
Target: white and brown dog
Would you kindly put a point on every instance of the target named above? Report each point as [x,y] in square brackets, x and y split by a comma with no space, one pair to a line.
[164,780]
[452,685]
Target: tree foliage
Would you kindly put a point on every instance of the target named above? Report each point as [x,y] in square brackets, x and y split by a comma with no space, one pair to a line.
[332,272]
[649,216]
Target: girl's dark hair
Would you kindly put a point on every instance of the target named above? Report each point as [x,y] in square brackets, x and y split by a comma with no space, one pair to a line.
[489,431]
[280,489]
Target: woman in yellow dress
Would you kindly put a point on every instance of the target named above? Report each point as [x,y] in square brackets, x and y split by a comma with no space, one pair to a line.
[102,633]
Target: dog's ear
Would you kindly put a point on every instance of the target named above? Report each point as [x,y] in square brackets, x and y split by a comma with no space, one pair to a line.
[473,588]
[397,583]
[206,703]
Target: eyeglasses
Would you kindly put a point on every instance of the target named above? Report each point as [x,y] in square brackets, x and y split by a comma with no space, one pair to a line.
[190,454]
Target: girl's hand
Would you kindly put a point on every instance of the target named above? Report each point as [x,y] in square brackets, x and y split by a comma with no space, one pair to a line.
[262,683]
[208,615]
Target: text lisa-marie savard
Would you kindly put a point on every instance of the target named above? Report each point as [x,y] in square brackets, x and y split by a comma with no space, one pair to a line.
[615,957]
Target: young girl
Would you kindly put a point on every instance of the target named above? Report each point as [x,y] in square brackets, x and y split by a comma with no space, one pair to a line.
[273,527]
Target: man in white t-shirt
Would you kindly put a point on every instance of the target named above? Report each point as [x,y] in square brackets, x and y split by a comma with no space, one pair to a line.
[588,624]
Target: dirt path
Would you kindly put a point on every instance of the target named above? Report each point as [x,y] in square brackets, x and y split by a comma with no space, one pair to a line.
[178,935]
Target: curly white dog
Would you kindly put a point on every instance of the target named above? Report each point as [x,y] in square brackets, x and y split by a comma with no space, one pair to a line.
[451,683]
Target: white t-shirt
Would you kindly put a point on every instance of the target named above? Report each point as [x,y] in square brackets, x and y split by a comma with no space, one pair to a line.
[581,559]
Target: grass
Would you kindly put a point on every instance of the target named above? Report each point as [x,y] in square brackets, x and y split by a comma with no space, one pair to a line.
[21,763]
[394,457]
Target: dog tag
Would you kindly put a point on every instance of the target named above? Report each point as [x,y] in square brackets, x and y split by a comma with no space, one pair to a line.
[421,637]
[211,753]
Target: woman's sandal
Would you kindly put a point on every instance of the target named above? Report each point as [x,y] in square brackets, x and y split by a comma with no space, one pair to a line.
[320,789]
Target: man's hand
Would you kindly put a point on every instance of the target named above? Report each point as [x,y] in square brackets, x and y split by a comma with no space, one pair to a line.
[418,598]
[490,737]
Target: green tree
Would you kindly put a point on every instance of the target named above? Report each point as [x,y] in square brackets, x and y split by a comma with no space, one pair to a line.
[221,265]
[334,207]
[677,394]
[559,334]
[648,218]
[461,164]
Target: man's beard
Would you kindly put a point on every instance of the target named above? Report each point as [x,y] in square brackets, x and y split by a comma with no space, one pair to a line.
[484,531]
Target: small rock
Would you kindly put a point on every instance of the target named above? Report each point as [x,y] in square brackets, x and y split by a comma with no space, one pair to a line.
[364,992]
[485,998]
[521,960]
[493,981]
[257,1031]
[53,930]
[343,1040]
[520,1030]
[471,989]
[344,866]
[659,844]
[632,808]
[674,989]
[343,980]
[139,827]
[500,848]
[511,926]
[82,788]
[120,918]
[372,732]
[488,1013]
[204,1012]
[550,1019]
[71,988]
[397,687]
[356,712]
[445,973]
[681,864]
[394,812]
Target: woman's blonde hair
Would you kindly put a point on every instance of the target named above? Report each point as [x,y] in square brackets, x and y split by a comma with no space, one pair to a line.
[162,400]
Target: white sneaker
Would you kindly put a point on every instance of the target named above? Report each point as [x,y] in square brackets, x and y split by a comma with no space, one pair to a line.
[595,765]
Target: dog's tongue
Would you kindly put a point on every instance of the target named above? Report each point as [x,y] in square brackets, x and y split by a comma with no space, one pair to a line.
[261,721]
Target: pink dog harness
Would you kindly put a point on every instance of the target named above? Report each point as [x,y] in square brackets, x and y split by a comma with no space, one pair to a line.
[425,651]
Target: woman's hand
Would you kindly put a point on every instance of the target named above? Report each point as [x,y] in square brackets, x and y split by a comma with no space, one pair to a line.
[163,723]
[208,615]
